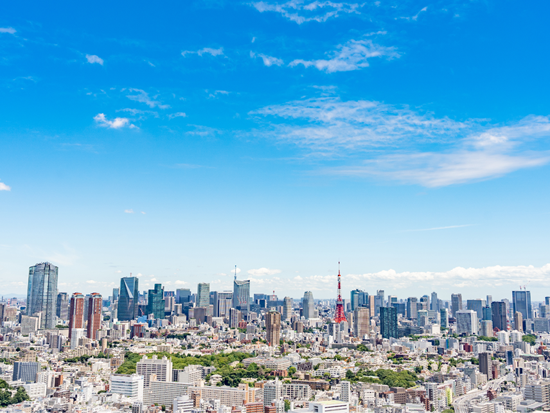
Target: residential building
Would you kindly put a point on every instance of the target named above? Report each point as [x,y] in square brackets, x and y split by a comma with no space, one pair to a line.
[129,385]
[345,391]
[42,293]
[164,392]
[76,312]
[273,328]
[95,305]
[162,368]
[361,322]
[184,404]
[273,391]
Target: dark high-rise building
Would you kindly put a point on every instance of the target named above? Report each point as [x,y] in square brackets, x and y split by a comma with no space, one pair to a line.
[241,295]
[183,295]
[378,302]
[95,304]
[308,305]
[76,312]
[42,293]
[456,303]
[477,306]
[434,306]
[359,299]
[203,295]
[128,298]
[522,303]
[25,371]
[388,322]
[116,293]
[155,302]
[498,309]
[62,310]
[273,328]
[485,364]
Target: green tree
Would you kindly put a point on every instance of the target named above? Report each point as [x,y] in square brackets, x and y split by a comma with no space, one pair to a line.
[529,338]
[287,405]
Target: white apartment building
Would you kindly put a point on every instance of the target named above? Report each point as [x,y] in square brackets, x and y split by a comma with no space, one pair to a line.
[329,406]
[345,391]
[273,391]
[164,392]
[228,396]
[129,385]
[162,368]
[35,390]
[296,391]
[182,404]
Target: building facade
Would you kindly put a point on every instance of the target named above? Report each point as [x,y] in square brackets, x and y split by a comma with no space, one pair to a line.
[42,293]
[128,298]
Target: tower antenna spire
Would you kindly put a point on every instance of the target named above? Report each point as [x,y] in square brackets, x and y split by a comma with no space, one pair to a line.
[339,314]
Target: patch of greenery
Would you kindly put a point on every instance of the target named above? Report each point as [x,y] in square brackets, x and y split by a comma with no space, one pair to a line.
[6,397]
[61,326]
[391,378]
[484,338]
[529,338]
[362,347]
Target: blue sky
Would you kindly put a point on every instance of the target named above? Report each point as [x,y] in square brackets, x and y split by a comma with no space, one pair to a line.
[409,140]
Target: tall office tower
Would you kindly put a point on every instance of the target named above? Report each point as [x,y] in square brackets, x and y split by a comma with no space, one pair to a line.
[371,306]
[287,308]
[388,322]
[522,303]
[128,298]
[62,310]
[466,321]
[498,310]
[434,302]
[273,328]
[241,295]
[234,317]
[411,308]
[477,306]
[489,300]
[547,300]
[42,293]
[486,364]
[203,295]
[487,313]
[183,295]
[76,313]
[456,303]
[223,301]
[378,302]
[308,305]
[423,319]
[354,296]
[155,302]
[116,293]
[486,328]
[392,299]
[361,322]
[95,305]
[518,321]
[444,316]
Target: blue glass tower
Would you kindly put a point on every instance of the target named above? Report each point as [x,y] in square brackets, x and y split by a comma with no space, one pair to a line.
[42,293]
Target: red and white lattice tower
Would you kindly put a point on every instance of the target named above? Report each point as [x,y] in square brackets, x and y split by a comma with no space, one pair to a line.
[339,316]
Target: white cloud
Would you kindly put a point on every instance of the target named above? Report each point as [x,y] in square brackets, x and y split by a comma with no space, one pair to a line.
[180,282]
[143,97]
[129,211]
[268,60]
[92,58]
[438,228]
[154,280]
[118,272]
[353,55]
[263,271]
[466,151]
[143,212]
[9,30]
[177,115]
[4,187]
[206,50]
[300,11]
[116,123]
[90,282]
[415,17]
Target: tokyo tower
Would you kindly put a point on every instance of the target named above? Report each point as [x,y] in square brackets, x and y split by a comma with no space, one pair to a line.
[339,316]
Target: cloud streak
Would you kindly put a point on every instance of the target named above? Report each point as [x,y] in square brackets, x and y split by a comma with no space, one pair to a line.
[300,11]
[94,59]
[8,30]
[143,97]
[205,51]
[117,123]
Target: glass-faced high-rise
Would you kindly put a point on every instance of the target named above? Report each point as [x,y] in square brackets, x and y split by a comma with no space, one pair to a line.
[42,293]
[128,298]
[241,295]
[203,295]
[388,322]
[522,303]
[155,302]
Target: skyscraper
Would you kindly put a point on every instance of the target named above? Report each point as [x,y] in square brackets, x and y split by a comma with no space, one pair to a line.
[485,364]
[444,315]
[241,295]
[116,293]
[477,306]
[522,303]
[128,299]
[273,328]
[378,302]
[487,313]
[95,305]
[223,300]
[456,303]
[498,310]
[361,322]
[466,321]
[388,322]
[411,308]
[287,308]
[76,313]
[183,295]
[308,305]
[518,321]
[434,302]
[42,293]
[62,308]
[203,295]
[155,302]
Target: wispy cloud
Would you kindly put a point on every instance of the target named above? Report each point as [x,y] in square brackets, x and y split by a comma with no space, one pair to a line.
[204,51]
[177,115]
[353,55]
[466,151]
[128,211]
[259,272]
[437,228]
[301,11]
[268,60]
[92,58]
[9,30]
[143,97]
[415,17]
[116,123]
[4,187]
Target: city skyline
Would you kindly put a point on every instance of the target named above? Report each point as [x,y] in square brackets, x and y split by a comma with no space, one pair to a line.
[404,141]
